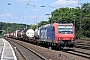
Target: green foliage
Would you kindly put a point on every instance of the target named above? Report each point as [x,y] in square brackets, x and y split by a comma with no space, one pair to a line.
[74,15]
[64,13]
[4,31]
[9,27]
[42,23]
[33,27]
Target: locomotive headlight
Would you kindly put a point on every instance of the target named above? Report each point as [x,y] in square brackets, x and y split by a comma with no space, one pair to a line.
[72,38]
[59,38]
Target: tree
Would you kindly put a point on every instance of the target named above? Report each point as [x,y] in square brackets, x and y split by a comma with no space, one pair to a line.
[42,23]
[33,27]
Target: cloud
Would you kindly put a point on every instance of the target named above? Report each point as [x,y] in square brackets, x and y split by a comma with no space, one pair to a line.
[22,0]
[25,0]
[34,0]
[34,9]
[65,2]
[7,15]
[24,17]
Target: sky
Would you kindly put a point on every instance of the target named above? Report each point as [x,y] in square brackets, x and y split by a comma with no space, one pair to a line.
[32,11]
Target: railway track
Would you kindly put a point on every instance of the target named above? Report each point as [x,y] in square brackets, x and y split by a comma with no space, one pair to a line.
[83,46]
[78,53]
[57,54]
[27,53]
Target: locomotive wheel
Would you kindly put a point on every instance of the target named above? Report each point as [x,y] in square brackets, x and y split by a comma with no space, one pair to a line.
[59,47]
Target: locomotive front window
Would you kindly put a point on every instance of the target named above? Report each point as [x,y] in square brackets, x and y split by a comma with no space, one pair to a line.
[69,28]
[61,28]
[65,29]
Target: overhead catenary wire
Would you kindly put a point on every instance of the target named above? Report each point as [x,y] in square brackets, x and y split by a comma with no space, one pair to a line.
[24,8]
[28,3]
[18,5]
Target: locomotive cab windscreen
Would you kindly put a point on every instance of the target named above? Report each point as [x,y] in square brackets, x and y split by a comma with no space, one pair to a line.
[65,29]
